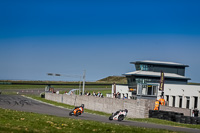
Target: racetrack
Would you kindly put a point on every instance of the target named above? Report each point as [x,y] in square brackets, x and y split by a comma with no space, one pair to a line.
[20,103]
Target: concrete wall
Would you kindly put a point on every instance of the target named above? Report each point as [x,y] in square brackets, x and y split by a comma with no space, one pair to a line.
[136,108]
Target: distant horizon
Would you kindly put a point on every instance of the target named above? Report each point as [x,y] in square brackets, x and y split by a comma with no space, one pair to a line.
[56,80]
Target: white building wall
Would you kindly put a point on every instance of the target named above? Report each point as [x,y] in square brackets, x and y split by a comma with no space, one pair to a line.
[122,89]
[171,90]
[185,91]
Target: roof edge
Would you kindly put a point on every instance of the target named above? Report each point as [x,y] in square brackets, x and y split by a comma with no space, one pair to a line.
[160,63]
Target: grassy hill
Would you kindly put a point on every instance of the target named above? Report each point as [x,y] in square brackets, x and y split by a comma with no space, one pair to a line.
[190,83]
[112,79]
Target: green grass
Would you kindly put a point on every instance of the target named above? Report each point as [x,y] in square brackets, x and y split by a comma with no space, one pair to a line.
[164,122]
[104,91]
[112,79]
[17,122]
[9,93]
[21,86]
[3,86]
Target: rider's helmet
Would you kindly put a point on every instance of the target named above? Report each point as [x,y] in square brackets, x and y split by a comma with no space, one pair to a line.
[82,105]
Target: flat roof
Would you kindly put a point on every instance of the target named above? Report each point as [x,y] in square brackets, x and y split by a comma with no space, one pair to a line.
[160,63]
[155,74]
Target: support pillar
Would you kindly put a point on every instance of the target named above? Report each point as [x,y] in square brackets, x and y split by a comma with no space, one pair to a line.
[183,101]
[170,100]
[198,104]
[191,102]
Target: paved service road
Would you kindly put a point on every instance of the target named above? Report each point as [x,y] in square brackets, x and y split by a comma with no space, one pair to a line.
[17,102]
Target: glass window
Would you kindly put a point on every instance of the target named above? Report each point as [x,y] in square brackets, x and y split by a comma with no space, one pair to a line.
[187,102]
[144,67]
[149,90]
[137,66]
[144,91]
[173,104]
[195,102]
[180,101]
[167,98]
[154,90]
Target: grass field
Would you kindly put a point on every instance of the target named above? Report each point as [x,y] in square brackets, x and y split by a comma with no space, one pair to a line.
[2,86]
[164,122]
[18,122]
[12,89]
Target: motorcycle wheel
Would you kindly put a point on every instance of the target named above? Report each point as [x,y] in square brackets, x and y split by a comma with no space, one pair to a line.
[111,118]
[70,113]
[120,118]
[78,113]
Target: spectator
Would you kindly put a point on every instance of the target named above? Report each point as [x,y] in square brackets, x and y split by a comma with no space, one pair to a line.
[98,94]
[195,112]
[123,96]
[118,95]
[162,100]
[101,95]
[114,95]
[157,105]
[88,94]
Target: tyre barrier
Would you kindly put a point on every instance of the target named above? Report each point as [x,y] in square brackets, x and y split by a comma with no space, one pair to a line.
[173,116]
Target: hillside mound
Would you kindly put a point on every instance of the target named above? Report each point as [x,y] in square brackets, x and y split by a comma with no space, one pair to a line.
[112,79]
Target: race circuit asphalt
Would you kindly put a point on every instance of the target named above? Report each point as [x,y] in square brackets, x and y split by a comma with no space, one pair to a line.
[20,103]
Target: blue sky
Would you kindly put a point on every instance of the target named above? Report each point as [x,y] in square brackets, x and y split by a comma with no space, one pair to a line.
[101,37]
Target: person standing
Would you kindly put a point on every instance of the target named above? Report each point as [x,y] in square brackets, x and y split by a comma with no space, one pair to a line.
[162,101]
[157,105]
[195,112]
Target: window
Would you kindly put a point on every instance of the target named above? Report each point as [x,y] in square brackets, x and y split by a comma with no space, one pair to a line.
[144,67]
[137,66]
[147,89]
[187,102]
[173,104]
[195,102]
[167,98]
[149,92]
[154,90]
[180,101]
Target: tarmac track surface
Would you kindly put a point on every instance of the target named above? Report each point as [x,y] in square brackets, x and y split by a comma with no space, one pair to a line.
[20,103]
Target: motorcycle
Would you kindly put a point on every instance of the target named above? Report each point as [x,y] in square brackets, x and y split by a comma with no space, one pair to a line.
[77,111]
